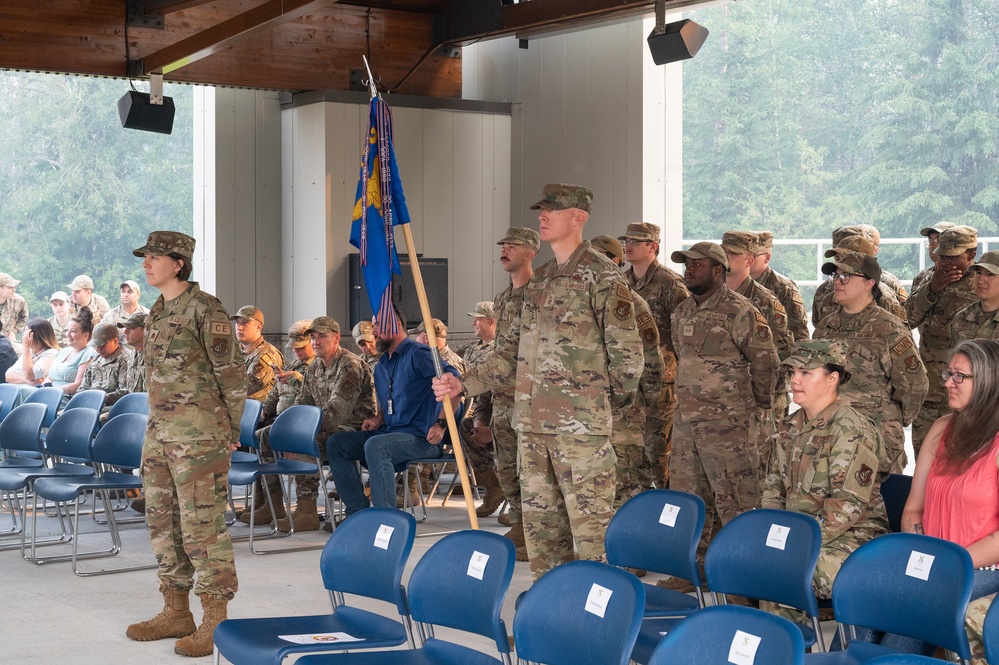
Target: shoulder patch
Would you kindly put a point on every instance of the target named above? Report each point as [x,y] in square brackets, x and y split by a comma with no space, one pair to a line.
[763,332]
[623,291]
[760,318]
[912,365]
[643,319]
[218,327]
[901,347]
[622,310]
[219,349]
[864,475]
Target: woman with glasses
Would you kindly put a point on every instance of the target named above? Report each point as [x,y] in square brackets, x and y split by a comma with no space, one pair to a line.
[889,379]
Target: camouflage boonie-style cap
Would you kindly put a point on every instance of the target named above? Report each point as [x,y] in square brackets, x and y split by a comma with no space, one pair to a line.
[137,320]
[59,295]
[167,242]
[852,244]
[81,282]
[740,242]
[7,280]
[364,331]
[701,250]
[989,261]
[608,245]
[559,196]
[297,337]
[847,231]
[248,313]
[814,353]
[645,231]
[854,263]
[483,310]
[956,240]
[937,228]
[440,330]
[323,324]
[103,333]
[520,235]
[766,240]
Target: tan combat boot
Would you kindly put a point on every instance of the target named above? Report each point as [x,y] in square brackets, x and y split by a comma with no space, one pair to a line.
[494,495]
[306,517]
[516,534]
[200,642]
[175,620]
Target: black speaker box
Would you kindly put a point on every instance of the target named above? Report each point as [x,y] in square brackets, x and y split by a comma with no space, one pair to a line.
[682,40]
[136,112]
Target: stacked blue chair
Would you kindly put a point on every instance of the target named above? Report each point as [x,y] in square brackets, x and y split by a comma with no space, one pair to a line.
[726,634]
[130,403]
[248,424]
[87,399]
[460,583]
[580,613]
[50,396]
[8,395]
[905,659]
[20,441]
[365,556]
[895,492]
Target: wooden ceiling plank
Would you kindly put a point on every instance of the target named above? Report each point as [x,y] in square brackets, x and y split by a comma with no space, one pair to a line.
[164,7]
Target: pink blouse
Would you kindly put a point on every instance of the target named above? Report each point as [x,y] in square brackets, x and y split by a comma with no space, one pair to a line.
[963,508]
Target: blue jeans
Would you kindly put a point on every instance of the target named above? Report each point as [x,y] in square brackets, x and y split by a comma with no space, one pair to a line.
[381,452]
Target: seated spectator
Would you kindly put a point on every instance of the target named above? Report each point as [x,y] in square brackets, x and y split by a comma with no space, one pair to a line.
[364,337]
[69,366]
[108,371]
[446,353]
[8,356]
[60,317]
[824,460]
[40,349]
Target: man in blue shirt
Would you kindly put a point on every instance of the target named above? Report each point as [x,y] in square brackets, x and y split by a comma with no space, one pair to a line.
[406,426]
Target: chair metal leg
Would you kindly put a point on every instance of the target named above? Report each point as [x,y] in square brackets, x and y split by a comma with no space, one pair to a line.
[291,523]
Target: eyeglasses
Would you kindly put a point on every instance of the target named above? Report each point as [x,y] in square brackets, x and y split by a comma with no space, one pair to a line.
[843,278]
[956,377]
[631,242]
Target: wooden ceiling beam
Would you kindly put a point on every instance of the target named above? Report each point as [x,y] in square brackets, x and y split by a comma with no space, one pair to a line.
[164,7]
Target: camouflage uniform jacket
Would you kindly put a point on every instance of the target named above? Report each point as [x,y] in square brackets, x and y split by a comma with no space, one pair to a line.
[895,284]
[482,409]
[134,381]
[922,276]
[106,374]
[259,359]
[118,314]
[60,331]
[194,371]
[726,360]
[788,294]
[651,383]
[98,306]
[283,395]
[932,313]
[507,305]
[448,355]
[345,391]
[371,360]
[824,303]
[14,314]
[664,290]
[973,322]
[888,380]
[827,468]
[578,351]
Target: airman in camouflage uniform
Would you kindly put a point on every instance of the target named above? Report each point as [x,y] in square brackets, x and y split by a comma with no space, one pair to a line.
[824,304]
[82,290]
[364,337]
[197,390]
[60,308]
[261,356]
[932,308]
[663,290]
[932,235]
[888,381]
[135,368]
[980,320]
[578,357]
[446,353]
[13,308]
[783,287]
[825,465]
[107,371]
[726,372]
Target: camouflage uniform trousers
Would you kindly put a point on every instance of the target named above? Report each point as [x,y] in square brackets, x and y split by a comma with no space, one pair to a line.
[974,620]
[928,414]
[507,467]
[480,458]
[185,512]
[567,485]
[717,460]
[630,452]
[658,439]
[307,487]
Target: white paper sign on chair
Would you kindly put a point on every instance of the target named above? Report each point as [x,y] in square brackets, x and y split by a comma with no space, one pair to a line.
[743,648]
[777,537]
[477,565]
[383,536]
[669,514]
[919,565]
[597,599]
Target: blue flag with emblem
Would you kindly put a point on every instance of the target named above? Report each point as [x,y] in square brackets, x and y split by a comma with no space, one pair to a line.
[379,206]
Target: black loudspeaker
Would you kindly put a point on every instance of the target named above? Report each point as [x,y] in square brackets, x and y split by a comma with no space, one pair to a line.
[682,40]
[136,112]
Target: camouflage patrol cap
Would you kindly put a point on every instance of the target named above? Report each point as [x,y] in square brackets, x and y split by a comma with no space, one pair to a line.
[297,337]
[520,235]
[847,231]
[440,330]
[814,353]
[608,245]
[645,231]
[130,283]
[854,263]
[103,333]
[364,331]
[61,296]
[483,310]
[7,280]
[323,324]
[167,242]
[852,244]
[81,282]
[989,262]
[248,313]
[702,250]
[766,240]
[937,228]
[740,242]
[956,240]
[137,320]
[559,196]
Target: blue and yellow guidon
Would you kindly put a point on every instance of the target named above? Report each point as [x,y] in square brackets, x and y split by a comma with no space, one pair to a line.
[373,187]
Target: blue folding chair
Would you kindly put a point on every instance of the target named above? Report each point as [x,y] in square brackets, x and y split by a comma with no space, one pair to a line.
[726,634]
[8,395]
[20,442]
[248,424]
[130,403]
[895,492]
[365,556]
[991,633]
[87,399]
[293,433]
[118,445]
[580,613]
[51,397]
[658,531]
[902,583]
[412,467]
[905,659]
[459,583]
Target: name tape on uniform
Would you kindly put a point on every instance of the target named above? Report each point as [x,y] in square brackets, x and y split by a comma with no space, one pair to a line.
[383,536]
[597,599]
[477,565]
[777,537]
[320,638]
[743,648]
[919,565]
[669,514]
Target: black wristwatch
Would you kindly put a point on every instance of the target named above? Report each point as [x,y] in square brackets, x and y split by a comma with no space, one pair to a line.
[442,422]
